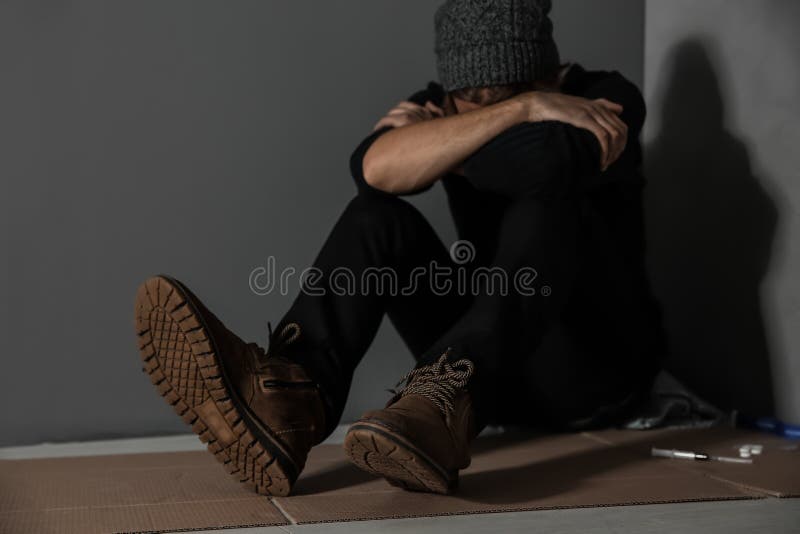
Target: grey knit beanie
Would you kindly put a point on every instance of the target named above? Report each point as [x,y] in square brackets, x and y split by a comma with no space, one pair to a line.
[481,43]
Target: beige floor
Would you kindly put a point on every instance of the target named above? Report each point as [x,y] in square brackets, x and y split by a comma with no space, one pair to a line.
[763,515]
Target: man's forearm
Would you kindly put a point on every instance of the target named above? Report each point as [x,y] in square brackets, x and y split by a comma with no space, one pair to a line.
[412,157]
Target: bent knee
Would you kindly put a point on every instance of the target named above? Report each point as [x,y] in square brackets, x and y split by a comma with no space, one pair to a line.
[367,211]
[533,209]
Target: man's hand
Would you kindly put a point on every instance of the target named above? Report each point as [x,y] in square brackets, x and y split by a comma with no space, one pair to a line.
[600,116]
[405,113]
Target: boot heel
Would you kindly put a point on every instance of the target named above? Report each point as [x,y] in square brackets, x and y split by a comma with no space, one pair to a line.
[452,481]
[385,453]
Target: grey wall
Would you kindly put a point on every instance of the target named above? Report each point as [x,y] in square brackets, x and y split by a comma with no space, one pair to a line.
[197,139]
[722,85]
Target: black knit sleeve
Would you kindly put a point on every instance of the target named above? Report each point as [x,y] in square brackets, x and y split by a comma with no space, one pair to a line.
[555,159]
[543,158]
[434,93]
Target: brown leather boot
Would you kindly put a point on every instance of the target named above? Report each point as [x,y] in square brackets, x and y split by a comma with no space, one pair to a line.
[421,439]
[259,413]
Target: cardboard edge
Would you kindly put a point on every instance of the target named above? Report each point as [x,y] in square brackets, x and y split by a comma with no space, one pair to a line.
[743,497]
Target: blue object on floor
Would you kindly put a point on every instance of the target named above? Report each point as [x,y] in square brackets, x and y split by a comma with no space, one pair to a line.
[773,425]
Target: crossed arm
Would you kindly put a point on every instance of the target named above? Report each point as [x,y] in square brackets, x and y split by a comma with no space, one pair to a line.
[537,142]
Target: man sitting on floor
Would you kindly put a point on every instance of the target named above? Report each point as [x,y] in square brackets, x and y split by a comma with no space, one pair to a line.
[541,164]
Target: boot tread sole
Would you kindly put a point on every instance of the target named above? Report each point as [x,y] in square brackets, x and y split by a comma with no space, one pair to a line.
[179,356]
[384,452]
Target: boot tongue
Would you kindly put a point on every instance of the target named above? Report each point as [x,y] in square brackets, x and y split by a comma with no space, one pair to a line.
[439,382]
[279,340]
[277,343]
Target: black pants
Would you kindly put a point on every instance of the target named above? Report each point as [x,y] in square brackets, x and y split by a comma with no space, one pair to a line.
[554,358]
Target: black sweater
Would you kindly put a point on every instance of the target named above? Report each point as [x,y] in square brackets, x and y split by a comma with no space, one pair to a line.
[553,159]
[545,158]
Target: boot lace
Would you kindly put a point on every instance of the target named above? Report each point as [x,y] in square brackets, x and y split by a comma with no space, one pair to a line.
[438,382]
[277,342]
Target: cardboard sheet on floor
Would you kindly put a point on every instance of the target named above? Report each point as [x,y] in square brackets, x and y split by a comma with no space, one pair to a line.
[544,472]
[126,493]
[184,491]
[775,472]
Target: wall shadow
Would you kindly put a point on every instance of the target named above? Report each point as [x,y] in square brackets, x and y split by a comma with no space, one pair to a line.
[710,229]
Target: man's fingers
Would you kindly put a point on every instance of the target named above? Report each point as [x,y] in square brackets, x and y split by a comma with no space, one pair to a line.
[622,128]
[436,110]
[400,112]
[620,133]
[408,107]
[393,121]
[381,123]
[623,141]
[425,112]
[411,115]
[406,112]
[613,106]
[614,119]
[610,134]
[407,104]
[602,135]
[617,129]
